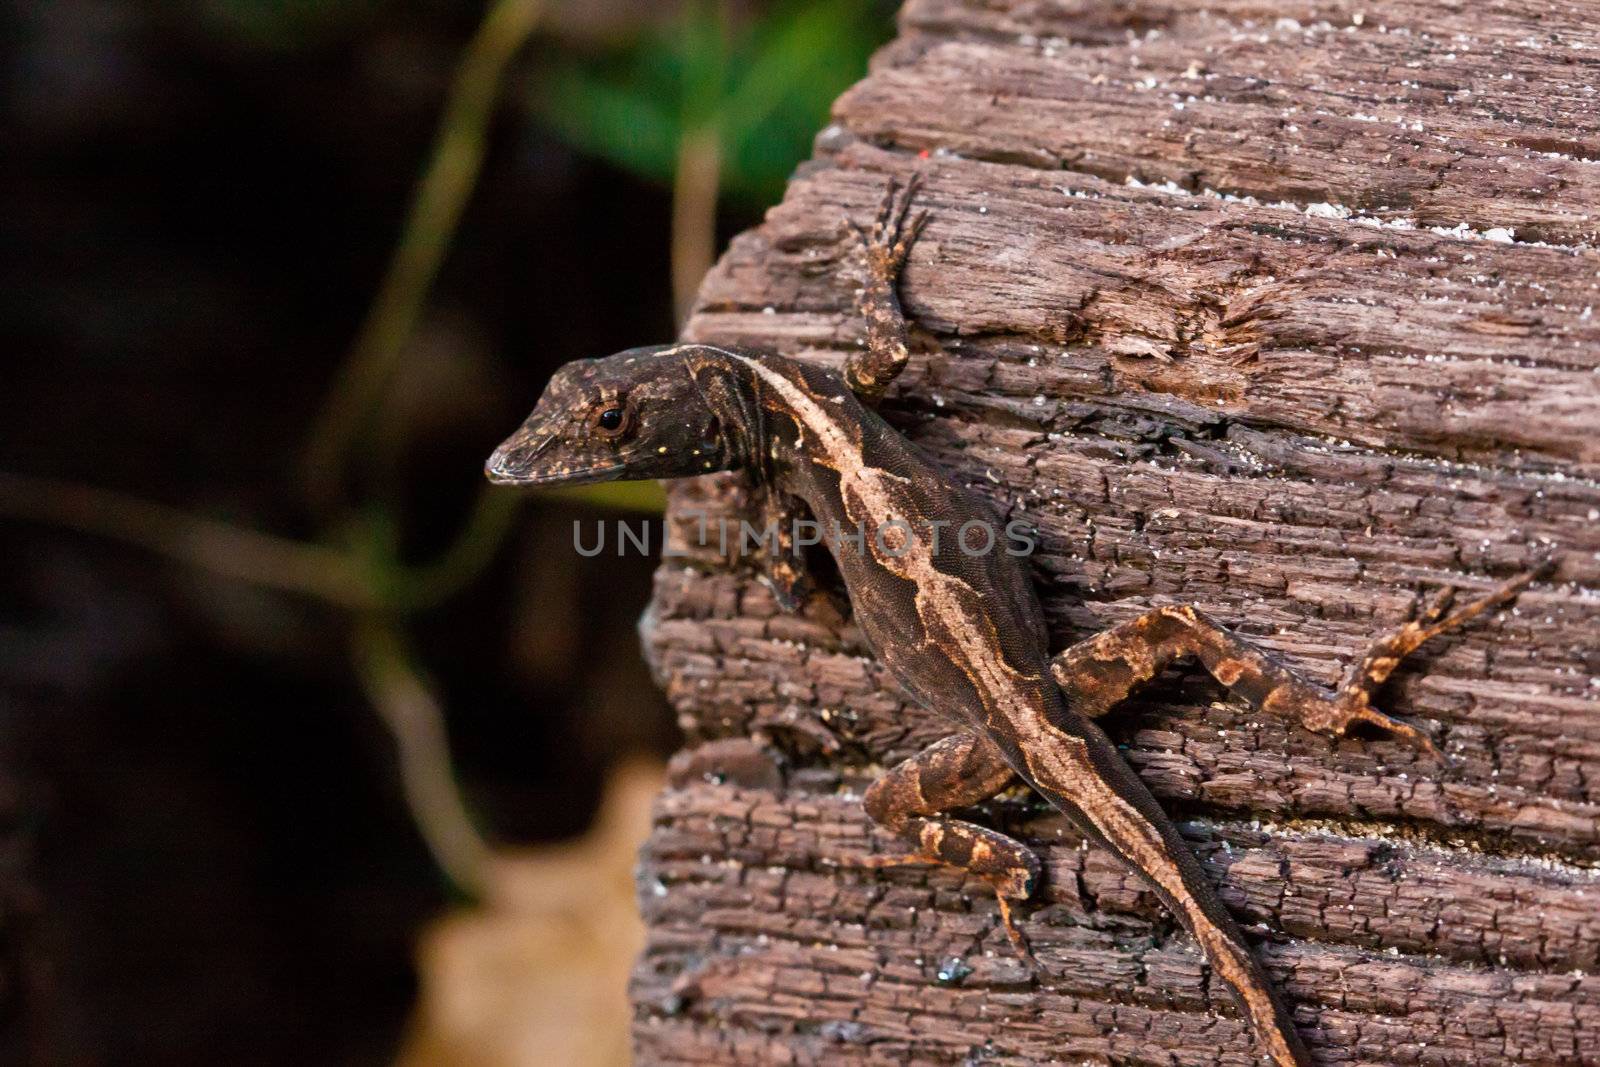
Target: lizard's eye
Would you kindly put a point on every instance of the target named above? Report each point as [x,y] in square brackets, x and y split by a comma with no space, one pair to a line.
[611,418]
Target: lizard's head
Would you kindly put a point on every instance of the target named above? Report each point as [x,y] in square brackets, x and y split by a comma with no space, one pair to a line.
[638,414]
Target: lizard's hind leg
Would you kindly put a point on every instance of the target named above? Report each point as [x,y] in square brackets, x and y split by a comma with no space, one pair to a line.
[1099,673]
[956,772]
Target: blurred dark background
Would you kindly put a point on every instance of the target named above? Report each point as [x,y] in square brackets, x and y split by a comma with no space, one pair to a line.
[250,566]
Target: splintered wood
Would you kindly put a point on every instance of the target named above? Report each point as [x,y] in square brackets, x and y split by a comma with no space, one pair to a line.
[1283,309]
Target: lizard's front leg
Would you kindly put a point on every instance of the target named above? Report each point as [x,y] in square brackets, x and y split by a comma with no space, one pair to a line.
[956,772]
[783,565]
[1099,673]
[885,247]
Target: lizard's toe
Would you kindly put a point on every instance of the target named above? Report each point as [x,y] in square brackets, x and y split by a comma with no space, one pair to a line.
[1394,728]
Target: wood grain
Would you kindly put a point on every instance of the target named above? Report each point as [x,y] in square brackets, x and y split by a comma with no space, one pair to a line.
[1283,309]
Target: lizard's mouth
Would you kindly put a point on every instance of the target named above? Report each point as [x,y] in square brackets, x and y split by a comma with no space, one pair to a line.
[500,476]
[515,464]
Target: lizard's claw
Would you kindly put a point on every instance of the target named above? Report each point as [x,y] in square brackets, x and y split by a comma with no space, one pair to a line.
[889,240]
[892,210]
[1015,935]
[861,236]
[907,238]
[1008,887]
[799,724]
[1436,606]
[886,211]
[1367,674]
[1431,623]
[1400,731]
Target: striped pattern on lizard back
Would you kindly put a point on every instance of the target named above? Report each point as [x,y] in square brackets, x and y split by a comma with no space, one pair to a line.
[963,633]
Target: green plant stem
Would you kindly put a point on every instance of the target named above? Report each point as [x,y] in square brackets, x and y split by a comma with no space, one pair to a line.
[337,577]
[431,222]
[694,214]
[415,718]
[491,520]
[222,548]
[367,581]
[432,583]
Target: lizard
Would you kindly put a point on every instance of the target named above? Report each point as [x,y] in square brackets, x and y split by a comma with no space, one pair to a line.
[962,632]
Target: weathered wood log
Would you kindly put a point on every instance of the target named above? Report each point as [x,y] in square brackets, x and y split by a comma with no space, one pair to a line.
[1286,309]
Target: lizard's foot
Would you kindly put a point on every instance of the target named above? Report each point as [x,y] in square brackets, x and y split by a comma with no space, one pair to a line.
[1010,887]
[1354,700]
[1007,865]
[957,772]
[1347,712]
[800,723]
[1014,934]
[869,370]
[889,241]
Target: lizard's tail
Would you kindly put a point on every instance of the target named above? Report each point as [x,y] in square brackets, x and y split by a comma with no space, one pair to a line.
[1110,801]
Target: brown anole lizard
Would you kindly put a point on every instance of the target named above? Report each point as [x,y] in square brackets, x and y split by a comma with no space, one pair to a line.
[962,632]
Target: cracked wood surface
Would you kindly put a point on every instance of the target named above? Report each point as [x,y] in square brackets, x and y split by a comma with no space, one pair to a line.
[1318,339]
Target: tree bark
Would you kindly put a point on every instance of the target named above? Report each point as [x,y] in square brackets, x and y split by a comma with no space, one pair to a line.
[1283,309]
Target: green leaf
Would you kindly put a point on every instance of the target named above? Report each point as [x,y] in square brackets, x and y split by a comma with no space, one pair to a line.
[765,85]
[634,130]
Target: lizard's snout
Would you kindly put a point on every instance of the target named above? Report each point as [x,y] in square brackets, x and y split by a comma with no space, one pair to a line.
[495,468]
[516,461]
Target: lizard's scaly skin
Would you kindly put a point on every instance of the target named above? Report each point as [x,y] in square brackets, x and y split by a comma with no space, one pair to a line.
[961,629]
